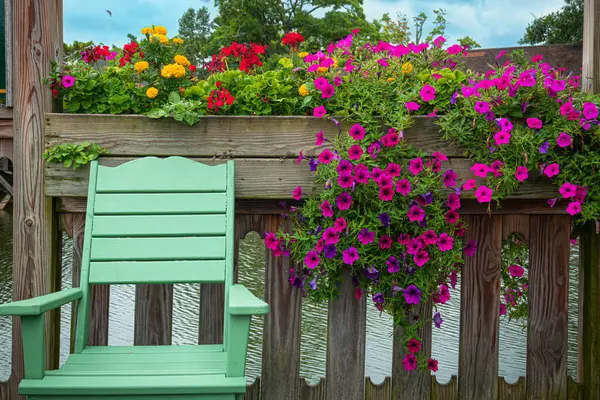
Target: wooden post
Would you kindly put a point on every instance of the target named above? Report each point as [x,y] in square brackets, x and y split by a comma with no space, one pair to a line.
[37,39]
[590,74]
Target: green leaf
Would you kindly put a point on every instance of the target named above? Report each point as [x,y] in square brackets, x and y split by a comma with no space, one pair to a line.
[174,97]
[306,101]
[74,106]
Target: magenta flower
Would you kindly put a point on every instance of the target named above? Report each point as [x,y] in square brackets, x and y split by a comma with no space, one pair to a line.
[470,248]
[325,157]
[467,91]
[566,108]
[455,49]
[449,178]
[413,246]
[386,193]
[391,139]
[412,106]
[496,168]
[482,107]
[393,169]
[516,271]
[328,91]
[442,296]
[403,187]
[439,41]
[469,185]
[312,259]
[429,237]
[350,256]
[413,346]
[552,170]
[451,217]
[502,138]
[439,156]
[326,209]
[412,295]
[505,124]
[568,190]
[355,152]
[534,123]
[298,193]
[522,173]
[483,194]
[319,112]
[346,181]
[337,81]
[357,132]
[361,173]
[344,167]
[271,241]
[403,239]
[590,110]
[320,83]
[365,236]
[409,362]
[319,138]
[331,236]
[67,81]
[383,62]
[563,140]
[393,265]
[445,242]
[415,214]
[574,208]
[427,93]
[343,201]
[415,165]
[480,170]
[453,201]
[385,242]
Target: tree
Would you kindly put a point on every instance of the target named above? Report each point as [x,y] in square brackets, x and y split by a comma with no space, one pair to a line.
[195,29]
[562,26]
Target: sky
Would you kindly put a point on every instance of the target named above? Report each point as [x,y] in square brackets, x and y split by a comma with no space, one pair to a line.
[492,23]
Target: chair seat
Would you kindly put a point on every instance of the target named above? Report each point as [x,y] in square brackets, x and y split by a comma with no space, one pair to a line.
[115,370]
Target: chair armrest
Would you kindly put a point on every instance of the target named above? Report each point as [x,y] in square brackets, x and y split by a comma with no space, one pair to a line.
[39,305]
[243,302]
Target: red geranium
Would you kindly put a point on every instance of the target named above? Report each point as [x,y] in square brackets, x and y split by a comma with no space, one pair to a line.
[292,39]
[219,98]
[129,51]
[246,54]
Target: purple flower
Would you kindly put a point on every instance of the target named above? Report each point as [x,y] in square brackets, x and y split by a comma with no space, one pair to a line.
[330,250]
[412,295]
[392,264]
[343,201]
[552,202]
[378,298]
[437,320]
[372,273]
[312,259]
[544,147]
[350,255]
[385,219]
[471,248]
[453,98]
[313,283]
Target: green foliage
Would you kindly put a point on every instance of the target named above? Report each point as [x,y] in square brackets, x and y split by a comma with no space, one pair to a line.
[513,288]
[183,110]
[74,155]
[195,30]
[562,26]
[72,52]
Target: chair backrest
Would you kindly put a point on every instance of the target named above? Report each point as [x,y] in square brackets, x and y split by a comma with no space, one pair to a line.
[155,220]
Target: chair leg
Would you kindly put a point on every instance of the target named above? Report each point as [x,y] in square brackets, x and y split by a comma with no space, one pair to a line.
[239,396]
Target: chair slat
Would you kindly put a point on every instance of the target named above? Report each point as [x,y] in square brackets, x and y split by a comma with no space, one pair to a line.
[125,272]
[169,175]
[159,203]
[156,249]
[159,225]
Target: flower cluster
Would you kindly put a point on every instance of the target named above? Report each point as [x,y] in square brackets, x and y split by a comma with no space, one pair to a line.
[292,39]
[513,273]
[219,98]
[129,51]
[172,71]
[246,55]
[97,53]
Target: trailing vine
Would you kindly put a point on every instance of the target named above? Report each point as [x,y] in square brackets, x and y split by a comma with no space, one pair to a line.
[74,155]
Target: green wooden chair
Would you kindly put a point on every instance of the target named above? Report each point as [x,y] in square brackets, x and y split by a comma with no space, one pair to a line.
[148,221]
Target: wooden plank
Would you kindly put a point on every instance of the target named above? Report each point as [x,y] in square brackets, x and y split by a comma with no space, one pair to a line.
[380,391]
[479,310]
[312,392]
[253,390]
[262,178]
[589,291]
[547,323]
[574,389]
[6,186]
[515,224]
[511,391]
[281,332]
[590,72]
[153,315]
[346,330]
[161,175]
[157,272]
[444,391]
[8,46]
[6,127]
[35,44]
[159,203]
[415,384]
[4,201]
[158,225]
[215,136]
[6,148]
[156,249]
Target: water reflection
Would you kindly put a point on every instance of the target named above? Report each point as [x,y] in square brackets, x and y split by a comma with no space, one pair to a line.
[314,321]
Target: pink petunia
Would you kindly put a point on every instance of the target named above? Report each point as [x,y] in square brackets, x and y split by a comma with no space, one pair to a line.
[357,132]
[439,156]
[328,91]
[482,107]
[421,257]
[409,362]
[386,193]
[469,185]
[343,201]
[522,173]
[325,157]
[415,214]
[480,170]
[365,236]
[534,123]
[319,112]
[590,110]
[331,236]
[566,108]
[568,190]
[312,259]
[326,209]
[385,242]
[505,124]
[516,271]
[403,187]
[355,152]
[271,241]
[574,208]
[552,170]
[563,140]
[67,81]
[415,165]
[412,106]
[340,224]
[445,242]
[502,138]
[319,138]
[337,81]
[453,201]
[427,93]
[320,83]
[350,256]
[483,194]
[298,193]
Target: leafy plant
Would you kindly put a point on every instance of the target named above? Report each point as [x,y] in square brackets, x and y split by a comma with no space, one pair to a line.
[74,155]
[182,110]
[514,269]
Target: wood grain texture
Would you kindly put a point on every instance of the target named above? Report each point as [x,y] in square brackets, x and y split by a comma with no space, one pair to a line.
[35,43]
[511,391]
[6,128]
[548,297]
[444,391]
[253,390]
[8,50]
[346,331]
[574,389]
[153,315]
[212,304]
[312,392]
[215,136]
[381,391]
[6,148]
[415,384]
[259,178]
[281,332]
[590,72]
[515,223]
[479,307]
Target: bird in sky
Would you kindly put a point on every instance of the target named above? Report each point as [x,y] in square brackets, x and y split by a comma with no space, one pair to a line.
[109,13]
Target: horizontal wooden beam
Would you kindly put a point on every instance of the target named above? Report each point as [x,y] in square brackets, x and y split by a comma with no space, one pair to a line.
[6,128]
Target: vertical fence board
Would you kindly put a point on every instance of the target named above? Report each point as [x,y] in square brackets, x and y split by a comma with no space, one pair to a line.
[480,286]
[378,392]
[574,389]
[212,304]
[511,391]
[312,392]
[281,343]
[253,390]
[153,315]
[515,223]
[415,384]
[548,296]
[447,391]
[346,332]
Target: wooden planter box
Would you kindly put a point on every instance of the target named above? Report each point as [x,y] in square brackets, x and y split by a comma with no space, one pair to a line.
[265,149]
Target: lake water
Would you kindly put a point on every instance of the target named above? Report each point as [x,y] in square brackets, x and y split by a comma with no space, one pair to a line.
[513,338]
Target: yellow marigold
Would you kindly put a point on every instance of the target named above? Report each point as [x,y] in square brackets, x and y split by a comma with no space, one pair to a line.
[322,69]
[391,79]
[181,60]
[302,54]
[177,40]
[147,31]
[303,90]
[141,66]
[335,62]
[152,92]
[163,39]
[173,71]
[161,30]
[407,68]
